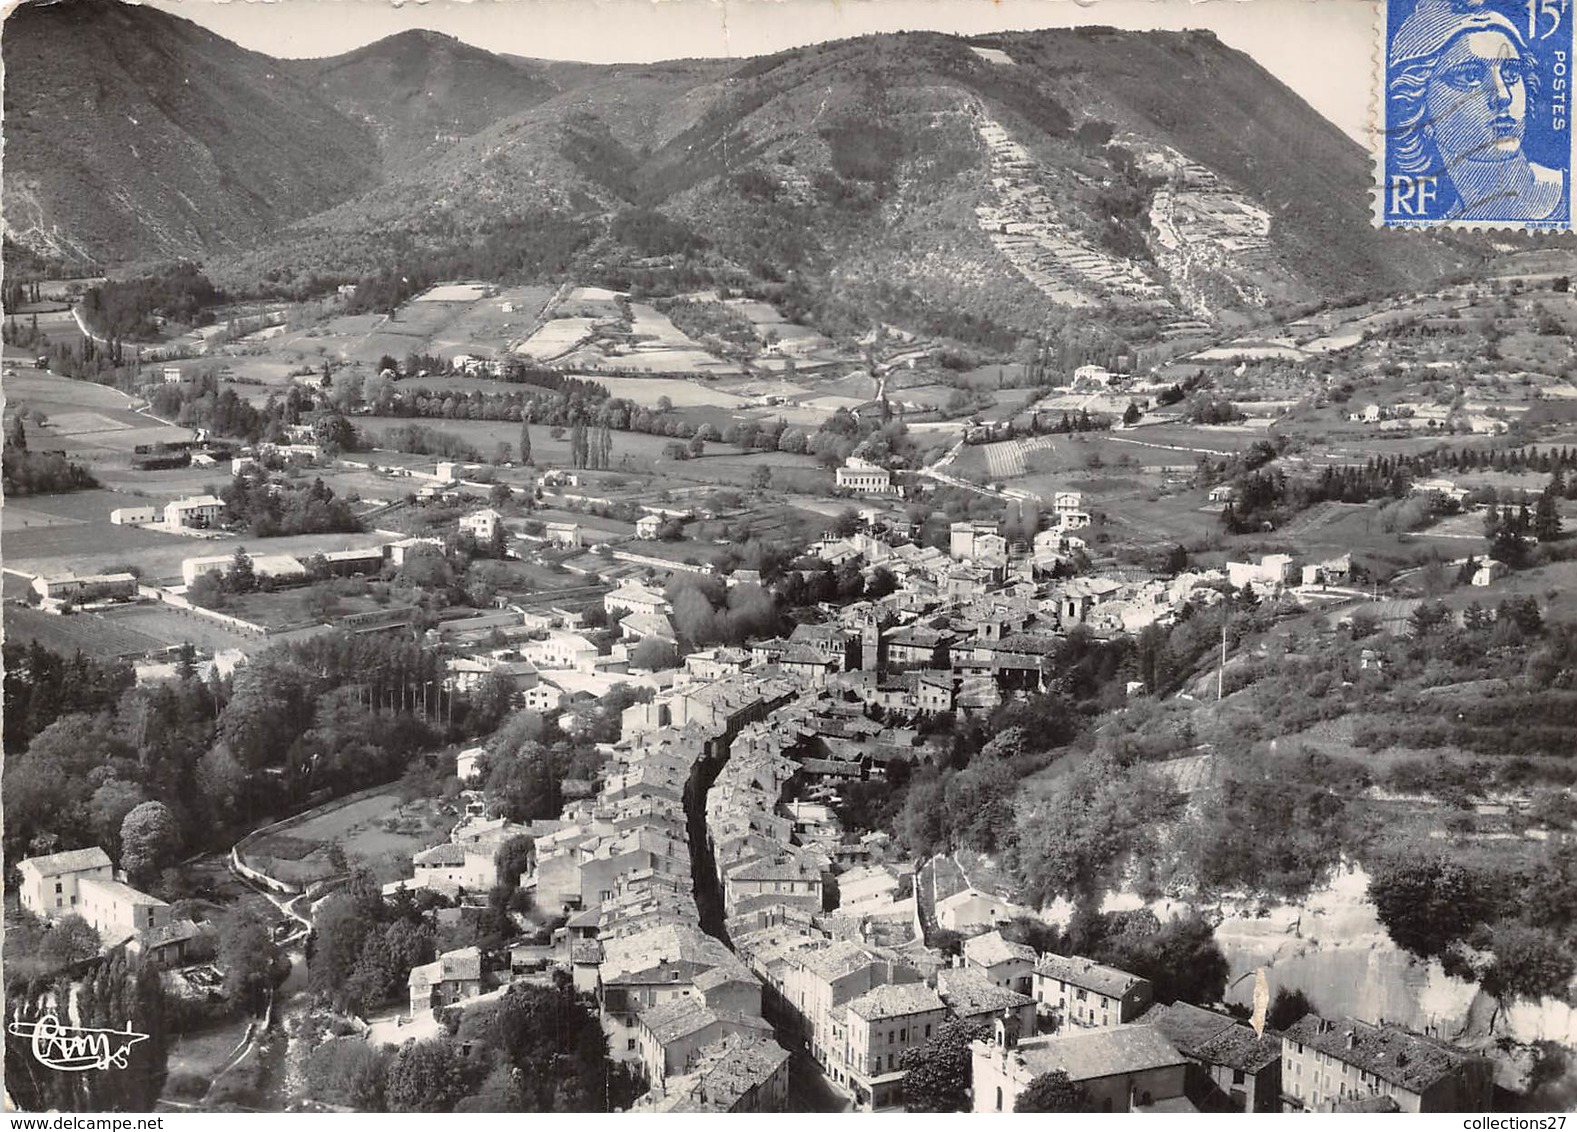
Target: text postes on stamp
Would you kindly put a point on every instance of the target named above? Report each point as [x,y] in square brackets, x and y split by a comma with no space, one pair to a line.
[1475,128]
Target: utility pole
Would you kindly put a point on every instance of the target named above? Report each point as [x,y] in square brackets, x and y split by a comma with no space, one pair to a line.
[1221,672]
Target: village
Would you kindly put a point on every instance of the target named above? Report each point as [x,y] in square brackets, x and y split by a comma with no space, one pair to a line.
[692,886]
[744,622]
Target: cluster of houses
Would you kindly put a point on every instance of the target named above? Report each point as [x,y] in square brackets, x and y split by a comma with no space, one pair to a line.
[673,998]
[84,882]
[179,516]
[1414,416]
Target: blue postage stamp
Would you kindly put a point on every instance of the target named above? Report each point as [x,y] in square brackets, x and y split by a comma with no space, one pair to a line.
[1476,129]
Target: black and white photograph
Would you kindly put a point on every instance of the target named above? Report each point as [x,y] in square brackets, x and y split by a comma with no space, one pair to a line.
[789,556]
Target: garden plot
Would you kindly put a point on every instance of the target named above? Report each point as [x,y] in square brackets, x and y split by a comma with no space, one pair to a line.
[93,634]
[453,293]
[681,394]
[380,831]
[557,337]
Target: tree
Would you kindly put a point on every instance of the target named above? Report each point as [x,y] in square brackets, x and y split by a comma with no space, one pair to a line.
[150,838]
[246,955]
[1529,963]
[938,1073]
[1180,958]
[242,578]
[1426,905]
[525,443]
[513,859]
[761,478]
[1287,1007]
[69,939]
[118,994]
[348,1071]
[426,1076]
[111,803]
[1052,1092]
[1547,515]
[654,654]
[1131,414]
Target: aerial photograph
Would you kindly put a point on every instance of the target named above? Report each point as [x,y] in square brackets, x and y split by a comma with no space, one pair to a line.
[781,556]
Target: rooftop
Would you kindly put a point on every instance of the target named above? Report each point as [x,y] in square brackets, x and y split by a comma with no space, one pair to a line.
[720,1074]
[895,1000]
[1080,972]
[1092,1054]
[1186,1026]
[69,861]
[1391,1053]
[125,892]
[968,993]
[990,949]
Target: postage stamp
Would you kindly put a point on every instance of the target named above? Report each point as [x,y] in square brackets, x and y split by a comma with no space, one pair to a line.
[1475,127]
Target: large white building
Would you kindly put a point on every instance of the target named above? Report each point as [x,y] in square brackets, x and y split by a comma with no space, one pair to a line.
[279,567]
[199,511]
[50,883]
[864,477]
[88,587]
[635,598]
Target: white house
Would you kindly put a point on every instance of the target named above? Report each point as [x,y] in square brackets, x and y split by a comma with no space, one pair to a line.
[467,763]
[648,526]
[482,525]
[171,375]
[864,477]
[196,511]
[49,884]
[118,910]
[564,534]
[1271,570]
[129,516]
[632,597]
[1092,375]
[446,472]
[89,587]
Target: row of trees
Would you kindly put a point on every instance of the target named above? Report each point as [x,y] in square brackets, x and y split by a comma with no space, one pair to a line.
[38,473]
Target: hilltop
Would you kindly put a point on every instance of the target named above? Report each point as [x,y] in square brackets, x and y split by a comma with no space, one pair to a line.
[131,134]
[981,189]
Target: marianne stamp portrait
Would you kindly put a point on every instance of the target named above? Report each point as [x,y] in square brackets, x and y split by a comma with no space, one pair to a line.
[1476,128]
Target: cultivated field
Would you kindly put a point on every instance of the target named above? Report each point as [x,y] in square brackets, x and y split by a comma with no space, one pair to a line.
[171,625]
[96,636]
[646,391]
[90,547]
[484,436]
[380,832]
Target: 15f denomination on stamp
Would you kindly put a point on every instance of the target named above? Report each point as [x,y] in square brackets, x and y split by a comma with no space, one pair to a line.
[1475,127]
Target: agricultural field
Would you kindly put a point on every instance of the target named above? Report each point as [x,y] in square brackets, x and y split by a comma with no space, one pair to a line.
[646,391]
[380,832]
[790,471]
[97,636]
[546,451]
[83,547]
[289,608]
[90,548]
[556,338]
[171,625]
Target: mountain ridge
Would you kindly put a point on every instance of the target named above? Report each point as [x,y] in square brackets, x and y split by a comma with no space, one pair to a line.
[1002,179]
